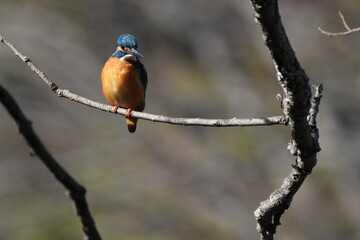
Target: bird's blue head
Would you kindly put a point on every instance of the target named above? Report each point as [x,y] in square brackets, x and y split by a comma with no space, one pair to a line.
[127,44]
[126,41]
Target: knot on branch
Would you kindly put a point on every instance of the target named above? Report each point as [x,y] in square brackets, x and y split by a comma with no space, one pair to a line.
[77,191]
[280,98]
[24,126]
[296,151]
[286,120]
[54,87]
[26,59]
[303,168]
[293,148]
[287,105]
[59,92]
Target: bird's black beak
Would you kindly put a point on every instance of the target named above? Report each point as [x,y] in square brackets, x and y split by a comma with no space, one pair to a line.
[134,52]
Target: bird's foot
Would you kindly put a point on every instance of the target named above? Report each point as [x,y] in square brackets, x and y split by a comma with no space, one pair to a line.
[128,112]
[115,109]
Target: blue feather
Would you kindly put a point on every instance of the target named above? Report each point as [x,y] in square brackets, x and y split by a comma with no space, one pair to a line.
[143,74]
[118,54]
[127,40]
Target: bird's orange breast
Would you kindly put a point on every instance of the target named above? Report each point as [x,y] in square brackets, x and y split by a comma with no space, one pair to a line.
[121,84]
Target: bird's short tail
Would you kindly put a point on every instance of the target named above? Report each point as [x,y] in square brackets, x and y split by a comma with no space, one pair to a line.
[131,123]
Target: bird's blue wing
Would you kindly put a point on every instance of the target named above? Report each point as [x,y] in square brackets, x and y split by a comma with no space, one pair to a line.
[143,75]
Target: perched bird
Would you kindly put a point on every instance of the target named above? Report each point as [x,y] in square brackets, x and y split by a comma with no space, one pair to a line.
[124,79]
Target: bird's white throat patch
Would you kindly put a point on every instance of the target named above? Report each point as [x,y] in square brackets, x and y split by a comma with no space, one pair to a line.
[128,57]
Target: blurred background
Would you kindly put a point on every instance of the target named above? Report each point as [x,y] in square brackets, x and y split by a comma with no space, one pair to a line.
[204,59]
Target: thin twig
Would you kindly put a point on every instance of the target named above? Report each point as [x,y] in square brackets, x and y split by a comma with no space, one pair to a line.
[349,30]
[339,33]
[233,122]
[314,110]
[75,190]
[344,22]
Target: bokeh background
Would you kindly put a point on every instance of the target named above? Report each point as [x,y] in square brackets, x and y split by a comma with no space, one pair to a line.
[204,59]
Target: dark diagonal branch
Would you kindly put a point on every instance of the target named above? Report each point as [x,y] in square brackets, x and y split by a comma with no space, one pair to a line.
[269,212]
[75,190]
[347,32]
[297,105]
[233,122]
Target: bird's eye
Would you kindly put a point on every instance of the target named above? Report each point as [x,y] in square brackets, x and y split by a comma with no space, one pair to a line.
[123,48]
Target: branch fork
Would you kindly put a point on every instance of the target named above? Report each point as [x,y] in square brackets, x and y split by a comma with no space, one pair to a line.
[346,26]
[301,108]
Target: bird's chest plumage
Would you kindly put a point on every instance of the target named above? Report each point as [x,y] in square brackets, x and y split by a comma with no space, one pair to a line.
[121,84]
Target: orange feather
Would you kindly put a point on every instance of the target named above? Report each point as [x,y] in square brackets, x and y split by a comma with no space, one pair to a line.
[122,87]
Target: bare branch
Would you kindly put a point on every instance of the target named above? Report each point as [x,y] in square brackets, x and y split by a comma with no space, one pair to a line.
[314,110]
[269,212]
[75,190]
[344,22]
[349,30]
[297,105]
[233,122]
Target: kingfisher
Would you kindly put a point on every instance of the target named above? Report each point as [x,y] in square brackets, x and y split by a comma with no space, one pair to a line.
[124,79]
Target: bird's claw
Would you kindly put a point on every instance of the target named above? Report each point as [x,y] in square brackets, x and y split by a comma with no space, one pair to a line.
[128,112]
[115,109]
